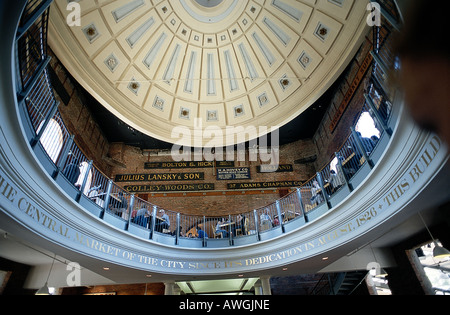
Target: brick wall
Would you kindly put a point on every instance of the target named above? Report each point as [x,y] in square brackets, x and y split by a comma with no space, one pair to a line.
[329,141]
[78,119]
[221,201]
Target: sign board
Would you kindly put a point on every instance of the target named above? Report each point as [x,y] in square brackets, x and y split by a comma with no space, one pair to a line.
[169,188]
[233,173]
[265,185]
[269,168]
[158,177]
[184,164]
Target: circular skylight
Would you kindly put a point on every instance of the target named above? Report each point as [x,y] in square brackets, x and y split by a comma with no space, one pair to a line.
[209,3]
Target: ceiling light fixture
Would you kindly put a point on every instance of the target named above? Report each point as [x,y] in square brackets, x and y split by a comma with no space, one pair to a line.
[45,289]
[438,251]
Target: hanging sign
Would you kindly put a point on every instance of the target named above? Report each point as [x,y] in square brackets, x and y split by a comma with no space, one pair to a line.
[183,165]
[233,173]
[168,188]
[158,177]
[269,168]
[265,185]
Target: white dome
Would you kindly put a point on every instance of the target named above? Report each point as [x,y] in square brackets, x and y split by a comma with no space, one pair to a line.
[161,64]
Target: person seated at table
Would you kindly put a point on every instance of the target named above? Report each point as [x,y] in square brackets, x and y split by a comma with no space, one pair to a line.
[316,192]
[201,233]
[276,221]
[219,228]
[163,223]
[72,171]
[119,205]
[336,181]
[347,170]
[181,234]
[240,225]
[266,220]
[94,193]
[141,217]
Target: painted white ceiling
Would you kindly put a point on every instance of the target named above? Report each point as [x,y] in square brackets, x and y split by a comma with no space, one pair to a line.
[159,64]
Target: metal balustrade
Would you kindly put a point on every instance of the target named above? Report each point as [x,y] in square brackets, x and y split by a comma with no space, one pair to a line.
[78,175]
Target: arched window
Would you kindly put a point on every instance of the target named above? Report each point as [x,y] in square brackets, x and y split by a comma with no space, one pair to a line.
[333,165]
[366,126]
[52,139]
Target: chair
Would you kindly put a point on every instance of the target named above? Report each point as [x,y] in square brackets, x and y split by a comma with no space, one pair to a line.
[289,213]
[240,231]
[265,225]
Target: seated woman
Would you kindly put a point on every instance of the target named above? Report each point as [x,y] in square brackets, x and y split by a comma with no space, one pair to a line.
[220,230]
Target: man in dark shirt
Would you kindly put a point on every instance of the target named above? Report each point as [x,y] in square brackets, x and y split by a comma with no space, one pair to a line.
[72,171]
[201,233]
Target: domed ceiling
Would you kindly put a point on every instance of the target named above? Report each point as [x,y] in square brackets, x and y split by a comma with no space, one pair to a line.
[209,64]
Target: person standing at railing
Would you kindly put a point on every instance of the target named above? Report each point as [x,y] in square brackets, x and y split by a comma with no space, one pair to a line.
[72,171]
[367,143]
[375,140]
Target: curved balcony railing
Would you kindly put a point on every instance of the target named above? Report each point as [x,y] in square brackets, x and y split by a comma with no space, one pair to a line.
[77,175]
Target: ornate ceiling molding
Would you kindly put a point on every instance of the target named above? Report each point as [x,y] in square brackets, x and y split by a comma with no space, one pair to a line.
[159,64]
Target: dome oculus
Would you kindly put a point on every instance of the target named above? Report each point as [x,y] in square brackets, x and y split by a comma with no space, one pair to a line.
[209,3]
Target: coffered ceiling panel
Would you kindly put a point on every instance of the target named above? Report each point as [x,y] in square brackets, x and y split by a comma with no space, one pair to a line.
[159,64]
[159,103]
